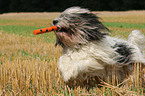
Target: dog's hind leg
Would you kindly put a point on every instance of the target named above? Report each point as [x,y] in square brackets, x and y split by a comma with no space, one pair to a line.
[138,39]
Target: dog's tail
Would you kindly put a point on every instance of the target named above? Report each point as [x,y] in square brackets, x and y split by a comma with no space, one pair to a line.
[138,39]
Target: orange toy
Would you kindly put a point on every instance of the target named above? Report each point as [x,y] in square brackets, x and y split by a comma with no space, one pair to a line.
[44,30]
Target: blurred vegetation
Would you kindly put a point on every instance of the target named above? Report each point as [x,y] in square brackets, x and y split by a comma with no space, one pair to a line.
[60,5]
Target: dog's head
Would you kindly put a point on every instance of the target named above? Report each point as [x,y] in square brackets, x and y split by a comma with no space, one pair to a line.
[78,26]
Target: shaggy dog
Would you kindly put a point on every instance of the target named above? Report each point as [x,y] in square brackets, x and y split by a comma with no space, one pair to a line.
[88,51]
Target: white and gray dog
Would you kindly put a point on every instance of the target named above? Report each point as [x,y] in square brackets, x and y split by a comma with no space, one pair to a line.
[88,50]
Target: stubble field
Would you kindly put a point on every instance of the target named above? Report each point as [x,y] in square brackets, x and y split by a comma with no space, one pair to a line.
[28,63]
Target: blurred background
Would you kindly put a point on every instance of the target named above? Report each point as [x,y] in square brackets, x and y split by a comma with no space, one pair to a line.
[60,5]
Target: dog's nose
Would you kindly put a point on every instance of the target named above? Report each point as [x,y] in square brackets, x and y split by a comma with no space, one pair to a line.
[55,22]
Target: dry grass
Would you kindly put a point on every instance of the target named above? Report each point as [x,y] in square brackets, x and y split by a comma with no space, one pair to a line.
[28,65]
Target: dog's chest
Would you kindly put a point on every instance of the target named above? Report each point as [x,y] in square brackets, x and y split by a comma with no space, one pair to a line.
[88,58]
[78,54]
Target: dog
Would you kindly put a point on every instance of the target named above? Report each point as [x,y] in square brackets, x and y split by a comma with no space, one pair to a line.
[89,51]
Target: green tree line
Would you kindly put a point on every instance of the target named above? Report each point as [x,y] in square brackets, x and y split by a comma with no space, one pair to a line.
[60,5]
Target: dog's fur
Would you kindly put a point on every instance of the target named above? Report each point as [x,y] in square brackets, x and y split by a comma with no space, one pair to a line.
[89,51]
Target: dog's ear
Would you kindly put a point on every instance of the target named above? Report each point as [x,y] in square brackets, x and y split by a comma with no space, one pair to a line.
[94,29]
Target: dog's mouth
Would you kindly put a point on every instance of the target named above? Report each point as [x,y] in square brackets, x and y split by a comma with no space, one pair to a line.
[61,30]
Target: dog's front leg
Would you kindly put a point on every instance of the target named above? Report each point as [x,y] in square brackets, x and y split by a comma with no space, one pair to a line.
[70,68]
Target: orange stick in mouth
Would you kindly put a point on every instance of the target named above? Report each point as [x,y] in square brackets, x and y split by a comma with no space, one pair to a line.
[44,30]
